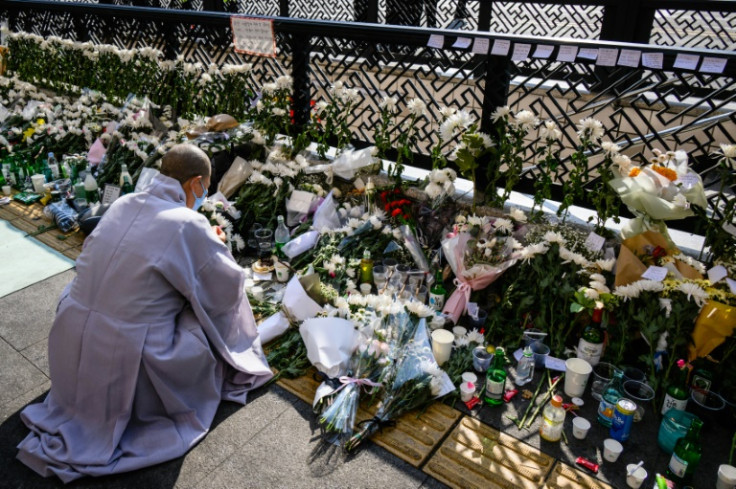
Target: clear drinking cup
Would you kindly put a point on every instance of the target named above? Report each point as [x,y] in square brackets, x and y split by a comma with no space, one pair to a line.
[602,375]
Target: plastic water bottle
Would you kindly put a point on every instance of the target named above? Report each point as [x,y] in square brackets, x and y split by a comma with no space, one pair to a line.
[53,166]
[525,368]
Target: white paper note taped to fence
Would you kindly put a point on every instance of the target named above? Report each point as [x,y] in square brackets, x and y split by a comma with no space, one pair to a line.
[607,57]
[686,61]
[717,273]
[629,57]
[463,42]
[436,41]
[713,65]
[567,53]
[253,36]
[481,45]
[652,60]
[501,47]
[543,51]
[521,52]
[588,53]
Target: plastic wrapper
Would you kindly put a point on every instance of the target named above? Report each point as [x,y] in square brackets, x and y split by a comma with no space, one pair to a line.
[714,324]
[296,306]
[345,166]
[64,216]
[411,244]
[298,205]
[234,177]
[325,217]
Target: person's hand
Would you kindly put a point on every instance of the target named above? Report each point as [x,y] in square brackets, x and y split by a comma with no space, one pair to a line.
[220,233]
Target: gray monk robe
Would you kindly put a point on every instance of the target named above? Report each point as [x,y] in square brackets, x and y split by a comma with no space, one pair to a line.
[152,333]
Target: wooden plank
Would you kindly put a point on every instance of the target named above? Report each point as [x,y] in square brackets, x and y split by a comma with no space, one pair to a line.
[565,477]
[478,456]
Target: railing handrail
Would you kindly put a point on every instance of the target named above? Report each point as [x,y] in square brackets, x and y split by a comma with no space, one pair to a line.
[349,30]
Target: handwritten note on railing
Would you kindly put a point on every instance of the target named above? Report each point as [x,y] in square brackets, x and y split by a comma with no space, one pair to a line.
[253,36]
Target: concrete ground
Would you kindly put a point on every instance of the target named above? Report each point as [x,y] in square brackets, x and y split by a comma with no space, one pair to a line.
[272,442]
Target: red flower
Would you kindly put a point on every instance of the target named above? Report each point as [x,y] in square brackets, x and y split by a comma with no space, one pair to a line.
[406,216]
[387,207]
[396,212]
[659,252]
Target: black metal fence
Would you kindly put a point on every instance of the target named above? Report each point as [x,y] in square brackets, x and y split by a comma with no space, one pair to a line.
[705,23]
[641,108]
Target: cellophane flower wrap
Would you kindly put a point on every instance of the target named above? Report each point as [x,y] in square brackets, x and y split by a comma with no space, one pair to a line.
[659,192]
[416,381]
[378,343]
[476,264]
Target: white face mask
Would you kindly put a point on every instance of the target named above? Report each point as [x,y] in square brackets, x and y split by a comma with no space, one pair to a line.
[198,201]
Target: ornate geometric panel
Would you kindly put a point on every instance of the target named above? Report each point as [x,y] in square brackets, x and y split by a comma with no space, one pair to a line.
[688,28]
[539,19]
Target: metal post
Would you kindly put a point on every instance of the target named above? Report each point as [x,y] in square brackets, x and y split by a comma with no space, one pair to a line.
[300,49]
[484,15]
[283,8]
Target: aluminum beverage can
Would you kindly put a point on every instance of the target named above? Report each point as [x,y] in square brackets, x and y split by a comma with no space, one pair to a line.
[623,418]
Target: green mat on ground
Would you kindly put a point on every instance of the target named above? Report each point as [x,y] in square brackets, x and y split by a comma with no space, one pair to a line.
[25,261]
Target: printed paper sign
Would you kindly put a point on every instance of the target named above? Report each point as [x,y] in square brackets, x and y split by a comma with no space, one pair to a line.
[607,57]
[436,41]
[689,180]
[462,42]
[595,242]
[521,52]
[686,61]
[629,57]
[732,285]
[253,36]
[111,194]
[543,51]
[713,65]
[567,53]
[588,53]
[501,47]
[717,273]
[655,273]
[481,45]
[652,60]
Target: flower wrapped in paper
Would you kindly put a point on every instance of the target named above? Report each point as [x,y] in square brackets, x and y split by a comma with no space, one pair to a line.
[496,256]
[715,323]
[639,252]
[660,192]
[416,381]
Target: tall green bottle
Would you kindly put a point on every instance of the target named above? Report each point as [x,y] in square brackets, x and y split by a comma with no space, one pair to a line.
[686,456]
[677,393]
[496,379]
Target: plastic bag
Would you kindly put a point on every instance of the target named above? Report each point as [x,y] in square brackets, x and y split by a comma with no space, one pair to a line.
[64,216]
[234,177]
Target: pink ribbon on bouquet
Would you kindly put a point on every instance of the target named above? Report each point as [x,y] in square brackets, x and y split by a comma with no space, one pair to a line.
[345,380]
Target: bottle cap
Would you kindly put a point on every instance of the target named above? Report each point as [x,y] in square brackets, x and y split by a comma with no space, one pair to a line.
[366,254]
[556,401]
[528,352]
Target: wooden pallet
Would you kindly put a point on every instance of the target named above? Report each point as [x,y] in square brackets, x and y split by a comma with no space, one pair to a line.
[565,477]
[28,218]
[478,456]
[412,439]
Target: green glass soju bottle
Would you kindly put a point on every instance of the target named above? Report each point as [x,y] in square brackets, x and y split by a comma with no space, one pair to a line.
[686,456]
[496,379]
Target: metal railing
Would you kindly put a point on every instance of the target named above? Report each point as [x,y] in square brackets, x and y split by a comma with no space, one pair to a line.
[641,109]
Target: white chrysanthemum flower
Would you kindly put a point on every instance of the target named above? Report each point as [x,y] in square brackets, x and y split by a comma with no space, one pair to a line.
[460,219]
[386,230]
[329,267]
[433,190]
[278,112]
[623,163]
[597,277]
[418,309]
[529,252]
[606,265]
[525,120]
[487,141]
[397,234]
[283,82]
[728,150]
[693,291]
[589,293]
[569,256]
[446,112]
[474,336]
[550,132]
[461,342]
[681,201]
[590,128]
[389,104]
[610,148]
[456,124]
[503,225]
[337,259]
[600,287]
[627,292]
[517,214]
[555,237]
[500,113]
[416,107]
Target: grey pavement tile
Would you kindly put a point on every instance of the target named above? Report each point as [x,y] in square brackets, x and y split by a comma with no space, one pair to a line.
[17,375]
[233,426]
[432,483]
[27,314]
[38,355]
[289,453]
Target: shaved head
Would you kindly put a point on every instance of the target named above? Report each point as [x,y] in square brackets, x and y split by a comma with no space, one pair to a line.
[185,161]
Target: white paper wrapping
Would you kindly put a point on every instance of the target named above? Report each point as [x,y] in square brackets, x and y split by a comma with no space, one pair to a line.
[297,303]
[325,217]
[273,327]
[330,343]
[234,177]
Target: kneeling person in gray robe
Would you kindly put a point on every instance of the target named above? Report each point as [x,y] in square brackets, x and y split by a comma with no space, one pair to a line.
[148,338]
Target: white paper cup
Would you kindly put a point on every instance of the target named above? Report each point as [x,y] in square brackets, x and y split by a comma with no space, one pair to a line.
[257,292]
[282,271]
[459,331]
[580,427]
[469,377]
[577,372]
[612,449]
[365,289]
[442,345]
[6,189]
[467,391]
[38,181]
[726,477]
[636,479]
